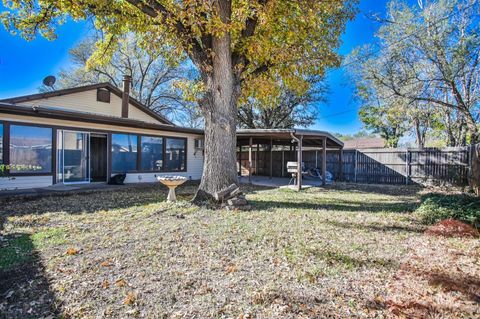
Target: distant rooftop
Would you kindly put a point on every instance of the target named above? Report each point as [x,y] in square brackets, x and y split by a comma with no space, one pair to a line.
[364,142]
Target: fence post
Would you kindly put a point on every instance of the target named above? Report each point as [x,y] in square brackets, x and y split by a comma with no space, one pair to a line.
[355,165]
[341,164]
[407,166]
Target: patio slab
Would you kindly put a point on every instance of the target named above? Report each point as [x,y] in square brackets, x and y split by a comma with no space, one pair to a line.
[279,182]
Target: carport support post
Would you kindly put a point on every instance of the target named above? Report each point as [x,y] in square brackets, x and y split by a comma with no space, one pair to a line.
[271,158]
[250,161]
[299,163]
[324,161]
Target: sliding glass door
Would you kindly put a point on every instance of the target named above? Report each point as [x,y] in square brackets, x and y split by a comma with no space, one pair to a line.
[73,157]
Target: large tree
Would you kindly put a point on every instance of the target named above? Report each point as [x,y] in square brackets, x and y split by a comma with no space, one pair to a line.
[287,110]
[429,56]
[239,48]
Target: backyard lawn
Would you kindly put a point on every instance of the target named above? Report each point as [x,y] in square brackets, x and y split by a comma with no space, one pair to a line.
[342,251]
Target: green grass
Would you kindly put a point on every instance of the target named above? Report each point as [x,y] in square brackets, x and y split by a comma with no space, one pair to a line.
[15,251]
[19,249]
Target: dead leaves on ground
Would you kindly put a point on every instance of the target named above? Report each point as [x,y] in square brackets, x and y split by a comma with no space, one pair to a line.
[72,251]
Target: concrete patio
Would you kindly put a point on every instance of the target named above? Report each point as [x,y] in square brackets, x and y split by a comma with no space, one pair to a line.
[279,181]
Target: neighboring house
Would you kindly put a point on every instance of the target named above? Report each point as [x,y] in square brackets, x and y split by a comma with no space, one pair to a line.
[87,134]
[364,142]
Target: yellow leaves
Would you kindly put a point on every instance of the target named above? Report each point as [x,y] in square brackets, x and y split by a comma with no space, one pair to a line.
[71,251]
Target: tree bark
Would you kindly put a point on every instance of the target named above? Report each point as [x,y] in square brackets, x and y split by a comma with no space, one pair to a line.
[219,107]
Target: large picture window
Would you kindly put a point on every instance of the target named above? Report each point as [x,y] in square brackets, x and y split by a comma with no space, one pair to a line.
[152,153]
[30,149]
[124,153]
[175,150]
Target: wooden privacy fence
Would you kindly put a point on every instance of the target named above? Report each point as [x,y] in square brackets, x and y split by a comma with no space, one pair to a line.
[448,166]
[475,164]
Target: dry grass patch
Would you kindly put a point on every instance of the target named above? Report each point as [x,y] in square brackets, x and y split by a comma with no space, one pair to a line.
[329,252]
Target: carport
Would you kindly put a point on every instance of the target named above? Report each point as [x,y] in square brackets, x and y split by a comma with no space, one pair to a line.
[294,141]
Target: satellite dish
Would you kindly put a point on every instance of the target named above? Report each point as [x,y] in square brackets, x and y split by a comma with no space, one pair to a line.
[49,81]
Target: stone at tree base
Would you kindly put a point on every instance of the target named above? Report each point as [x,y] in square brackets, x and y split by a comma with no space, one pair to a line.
[237,202]
[226,192]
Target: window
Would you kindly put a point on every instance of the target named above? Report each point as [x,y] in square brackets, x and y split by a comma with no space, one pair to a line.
[1,144]
[175,154]
[30,149]
[152,153]
[124,152]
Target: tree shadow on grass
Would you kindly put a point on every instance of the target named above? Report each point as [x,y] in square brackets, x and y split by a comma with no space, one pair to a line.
[24,289]
[90,201]
[377,227]
[341,206]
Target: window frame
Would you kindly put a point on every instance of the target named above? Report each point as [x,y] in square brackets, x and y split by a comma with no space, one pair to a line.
[136,169]
[165,153]
[6,156]
[55,128]
[140,169]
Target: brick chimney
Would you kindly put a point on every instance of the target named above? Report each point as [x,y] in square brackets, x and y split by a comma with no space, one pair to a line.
[127,80]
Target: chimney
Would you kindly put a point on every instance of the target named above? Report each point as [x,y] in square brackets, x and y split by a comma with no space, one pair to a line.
[127,80]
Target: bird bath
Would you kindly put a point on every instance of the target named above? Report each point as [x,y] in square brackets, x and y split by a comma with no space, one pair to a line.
[171,182]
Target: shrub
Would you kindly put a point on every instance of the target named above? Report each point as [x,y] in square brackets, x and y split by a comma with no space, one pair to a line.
[437,207]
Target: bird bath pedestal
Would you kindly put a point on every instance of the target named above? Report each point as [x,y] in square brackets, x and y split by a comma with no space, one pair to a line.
[171,182]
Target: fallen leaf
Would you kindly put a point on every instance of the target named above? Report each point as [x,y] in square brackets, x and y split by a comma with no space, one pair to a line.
[130,299]
[120,283]
[72,251]
[105,284]
[106,263]
[231,269]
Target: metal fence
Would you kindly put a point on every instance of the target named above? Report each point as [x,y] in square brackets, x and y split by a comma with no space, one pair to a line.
[399,166]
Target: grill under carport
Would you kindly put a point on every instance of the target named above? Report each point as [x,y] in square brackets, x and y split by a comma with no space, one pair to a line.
[290,143]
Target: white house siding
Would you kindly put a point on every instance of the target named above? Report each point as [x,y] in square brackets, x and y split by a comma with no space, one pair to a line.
[24,182]
[87,102]
[194,159]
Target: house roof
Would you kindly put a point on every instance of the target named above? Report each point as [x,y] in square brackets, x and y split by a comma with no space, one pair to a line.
[104,85]
[365,142]
[283,136]
[61,114]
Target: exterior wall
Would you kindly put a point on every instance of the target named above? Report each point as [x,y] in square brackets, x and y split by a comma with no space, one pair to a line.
[24,182]
[87,102]
[194,158]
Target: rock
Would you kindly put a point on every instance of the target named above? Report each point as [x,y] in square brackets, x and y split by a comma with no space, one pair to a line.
[237,202]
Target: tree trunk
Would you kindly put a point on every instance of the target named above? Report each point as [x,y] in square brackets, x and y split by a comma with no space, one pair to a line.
[219,107]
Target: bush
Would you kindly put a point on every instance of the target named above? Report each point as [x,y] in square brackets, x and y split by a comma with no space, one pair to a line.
[436,207]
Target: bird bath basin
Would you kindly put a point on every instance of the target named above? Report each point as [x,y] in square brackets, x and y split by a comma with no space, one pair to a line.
[171,182]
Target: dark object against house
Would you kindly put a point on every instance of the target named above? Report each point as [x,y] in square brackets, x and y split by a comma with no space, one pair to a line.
[117,179]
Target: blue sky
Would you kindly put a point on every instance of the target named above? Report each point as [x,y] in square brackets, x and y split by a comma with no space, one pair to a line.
[24,64]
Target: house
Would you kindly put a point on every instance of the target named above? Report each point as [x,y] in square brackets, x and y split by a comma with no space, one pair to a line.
[365,142]
[87,134]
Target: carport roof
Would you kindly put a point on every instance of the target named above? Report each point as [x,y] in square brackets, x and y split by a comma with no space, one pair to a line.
[283,136]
